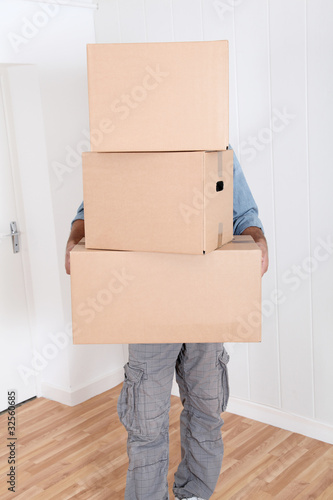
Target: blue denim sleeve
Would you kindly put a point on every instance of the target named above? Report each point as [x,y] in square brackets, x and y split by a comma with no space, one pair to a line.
[245,208]
[79,214]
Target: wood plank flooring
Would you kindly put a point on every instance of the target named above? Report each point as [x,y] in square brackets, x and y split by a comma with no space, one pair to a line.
[80,452]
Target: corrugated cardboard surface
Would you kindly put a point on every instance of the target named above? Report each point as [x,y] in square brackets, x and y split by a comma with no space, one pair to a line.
[139,297]
[158,202]
[165,96]
[218,213]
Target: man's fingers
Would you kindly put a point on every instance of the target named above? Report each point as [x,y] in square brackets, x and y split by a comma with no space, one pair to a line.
[67,257]
[264,262]
[67,263]
[264,257]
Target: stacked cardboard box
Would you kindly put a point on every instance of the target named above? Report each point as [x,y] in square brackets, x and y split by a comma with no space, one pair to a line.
[159,262]
[177,202]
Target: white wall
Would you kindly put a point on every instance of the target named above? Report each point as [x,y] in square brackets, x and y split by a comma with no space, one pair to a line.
[281,78]
[53,39]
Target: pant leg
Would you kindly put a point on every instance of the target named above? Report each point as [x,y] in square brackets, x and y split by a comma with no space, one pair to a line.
[202,376]
[143,408]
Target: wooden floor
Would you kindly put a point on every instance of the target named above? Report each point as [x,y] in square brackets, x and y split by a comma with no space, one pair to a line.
[80,452]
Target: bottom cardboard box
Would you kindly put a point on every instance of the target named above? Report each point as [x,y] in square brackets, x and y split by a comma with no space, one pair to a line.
[138,297]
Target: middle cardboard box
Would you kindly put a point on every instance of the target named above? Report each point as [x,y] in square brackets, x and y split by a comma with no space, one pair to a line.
[173,202]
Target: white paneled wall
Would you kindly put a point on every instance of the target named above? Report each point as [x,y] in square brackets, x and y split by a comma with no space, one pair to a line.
[289,155]
[281,107]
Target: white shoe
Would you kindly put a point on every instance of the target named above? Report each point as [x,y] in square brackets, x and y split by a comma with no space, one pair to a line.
[192,498]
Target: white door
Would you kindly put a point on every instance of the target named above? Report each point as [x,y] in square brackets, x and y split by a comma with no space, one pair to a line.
[15,334]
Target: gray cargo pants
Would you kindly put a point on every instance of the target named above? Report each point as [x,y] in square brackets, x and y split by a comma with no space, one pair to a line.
[143,408]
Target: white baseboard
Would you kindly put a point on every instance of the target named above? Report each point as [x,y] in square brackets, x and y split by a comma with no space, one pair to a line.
[276,417]
[81,393]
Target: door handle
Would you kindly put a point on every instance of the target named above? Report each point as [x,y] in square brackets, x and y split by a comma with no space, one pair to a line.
[14,233]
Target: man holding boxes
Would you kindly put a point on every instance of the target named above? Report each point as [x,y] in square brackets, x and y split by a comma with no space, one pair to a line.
[163,196]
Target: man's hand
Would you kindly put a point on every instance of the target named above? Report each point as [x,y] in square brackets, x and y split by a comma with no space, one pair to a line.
[260,240]
[77,233]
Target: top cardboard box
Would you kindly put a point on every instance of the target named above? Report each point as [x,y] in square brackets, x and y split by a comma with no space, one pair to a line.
[165,96]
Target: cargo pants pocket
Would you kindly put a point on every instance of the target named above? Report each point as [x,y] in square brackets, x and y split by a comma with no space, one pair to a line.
[130,402]
[222,361]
